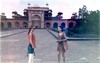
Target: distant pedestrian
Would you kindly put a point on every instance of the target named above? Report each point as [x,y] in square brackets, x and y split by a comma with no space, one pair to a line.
[62,44]
[31,45]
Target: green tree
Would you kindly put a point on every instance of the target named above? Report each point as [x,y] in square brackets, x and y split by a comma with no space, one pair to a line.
[89,21]
[92,21]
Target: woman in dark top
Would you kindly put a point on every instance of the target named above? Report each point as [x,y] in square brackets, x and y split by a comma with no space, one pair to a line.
[62,44]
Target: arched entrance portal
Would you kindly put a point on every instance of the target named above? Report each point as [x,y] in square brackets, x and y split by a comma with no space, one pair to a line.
[25,24]
[48,25]
[36,21]
[55,25]
[9,24]
[17,25]
[63,25]
[2,25]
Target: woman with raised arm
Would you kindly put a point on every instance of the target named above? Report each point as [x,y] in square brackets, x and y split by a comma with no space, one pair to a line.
[62,44]
[31,45]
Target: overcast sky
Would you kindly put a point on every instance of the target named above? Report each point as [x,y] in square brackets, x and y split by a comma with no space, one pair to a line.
[65,6]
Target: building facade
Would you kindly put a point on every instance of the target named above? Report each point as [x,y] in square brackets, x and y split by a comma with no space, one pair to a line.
[34,16]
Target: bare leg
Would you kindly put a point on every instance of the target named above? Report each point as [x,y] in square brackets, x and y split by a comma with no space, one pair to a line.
[58,56]
[63,55]
[31,58]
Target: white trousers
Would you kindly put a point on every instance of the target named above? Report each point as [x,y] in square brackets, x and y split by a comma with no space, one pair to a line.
[30,58]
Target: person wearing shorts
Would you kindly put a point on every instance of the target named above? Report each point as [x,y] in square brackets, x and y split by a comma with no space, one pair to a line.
[31,45]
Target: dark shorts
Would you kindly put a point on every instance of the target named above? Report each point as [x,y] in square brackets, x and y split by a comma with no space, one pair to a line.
[30,49]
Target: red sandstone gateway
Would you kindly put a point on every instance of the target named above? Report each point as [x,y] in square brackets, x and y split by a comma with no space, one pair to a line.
[41,17]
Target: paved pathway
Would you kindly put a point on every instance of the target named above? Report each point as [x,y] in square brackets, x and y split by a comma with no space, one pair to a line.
[14,49]
[10,33]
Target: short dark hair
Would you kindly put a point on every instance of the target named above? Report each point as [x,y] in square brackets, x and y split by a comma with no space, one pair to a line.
[61,28]
[30,29]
